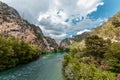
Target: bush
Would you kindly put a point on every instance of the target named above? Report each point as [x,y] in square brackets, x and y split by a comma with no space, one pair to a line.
[74,70]
[14,52]
[116,22]
[96,46]
[113,57]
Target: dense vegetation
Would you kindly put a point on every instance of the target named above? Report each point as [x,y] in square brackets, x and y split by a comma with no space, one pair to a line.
[99,59]
[14,52]
[61,49]
[109,29]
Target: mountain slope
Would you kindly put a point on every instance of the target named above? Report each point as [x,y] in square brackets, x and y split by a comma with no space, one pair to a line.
[12,25]
[97,56]
[110,29]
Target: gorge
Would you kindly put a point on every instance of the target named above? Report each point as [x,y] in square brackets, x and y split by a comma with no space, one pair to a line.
[26,53]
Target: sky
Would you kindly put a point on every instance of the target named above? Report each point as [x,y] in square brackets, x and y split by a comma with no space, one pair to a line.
[60,19]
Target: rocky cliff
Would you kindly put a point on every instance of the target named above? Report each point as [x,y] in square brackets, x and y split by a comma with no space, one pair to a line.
[12,25]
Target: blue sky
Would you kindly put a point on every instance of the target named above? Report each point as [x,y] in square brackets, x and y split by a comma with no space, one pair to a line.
[64,18]
[110,8]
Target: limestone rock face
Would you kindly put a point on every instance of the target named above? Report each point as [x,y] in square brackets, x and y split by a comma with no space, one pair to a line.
[12,25]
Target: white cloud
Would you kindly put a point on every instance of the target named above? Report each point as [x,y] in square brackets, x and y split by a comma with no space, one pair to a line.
[54,15]
[51,15]
[61,10]
[88,23]
[88,6]
[30,9]
[85,30]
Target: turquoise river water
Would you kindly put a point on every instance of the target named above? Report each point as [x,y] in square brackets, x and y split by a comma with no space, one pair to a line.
[47,67]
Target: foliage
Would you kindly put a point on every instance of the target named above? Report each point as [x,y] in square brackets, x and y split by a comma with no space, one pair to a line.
[14,52]
[61,49]
[113,57]
[75,70]
[116,21]
[96,46]
[110,29]
[100,57]
[98,60]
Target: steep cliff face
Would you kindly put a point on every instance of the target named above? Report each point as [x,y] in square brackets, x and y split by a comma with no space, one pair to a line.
[12,25]
[51,43]
[68,41]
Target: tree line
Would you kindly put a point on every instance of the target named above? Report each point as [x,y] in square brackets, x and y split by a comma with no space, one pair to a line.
[14,52]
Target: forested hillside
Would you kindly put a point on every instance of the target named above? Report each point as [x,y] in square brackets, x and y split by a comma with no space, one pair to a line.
[97,57]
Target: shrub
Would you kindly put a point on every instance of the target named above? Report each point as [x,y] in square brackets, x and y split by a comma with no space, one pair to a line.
[75,70]
[116,22]
[14,52]
[113,57]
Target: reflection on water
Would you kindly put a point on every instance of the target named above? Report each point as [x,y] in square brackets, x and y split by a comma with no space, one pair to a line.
[45,68]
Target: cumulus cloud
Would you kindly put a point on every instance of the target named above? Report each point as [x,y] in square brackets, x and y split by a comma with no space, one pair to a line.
[69,16]
[53,23]
[57,17]
[81,7]
[29,9]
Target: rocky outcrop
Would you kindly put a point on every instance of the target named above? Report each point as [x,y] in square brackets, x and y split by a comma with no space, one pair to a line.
[12,25]
[51,43]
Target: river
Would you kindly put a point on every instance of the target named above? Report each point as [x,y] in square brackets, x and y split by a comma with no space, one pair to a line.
[47,67]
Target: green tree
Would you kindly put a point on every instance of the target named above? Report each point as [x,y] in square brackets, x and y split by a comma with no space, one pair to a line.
[113,57]
[14,52]
[96,46]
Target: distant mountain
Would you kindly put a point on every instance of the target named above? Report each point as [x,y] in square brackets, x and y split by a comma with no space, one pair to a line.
[12,25]
[68,41]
